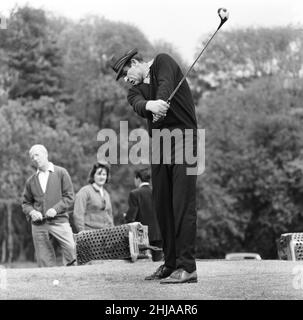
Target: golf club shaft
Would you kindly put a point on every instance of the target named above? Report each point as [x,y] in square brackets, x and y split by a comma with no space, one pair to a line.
[190,68]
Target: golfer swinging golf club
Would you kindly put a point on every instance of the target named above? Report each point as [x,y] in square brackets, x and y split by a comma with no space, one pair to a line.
[174,192]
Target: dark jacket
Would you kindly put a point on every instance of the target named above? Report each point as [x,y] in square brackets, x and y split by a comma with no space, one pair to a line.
[141,210]
[59,195]
[165,75]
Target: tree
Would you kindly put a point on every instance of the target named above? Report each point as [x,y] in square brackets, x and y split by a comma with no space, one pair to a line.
[162,46]
[33,55]
[239,56]
[87,48]
[250,191]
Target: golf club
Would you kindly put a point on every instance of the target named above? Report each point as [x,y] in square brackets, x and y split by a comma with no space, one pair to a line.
[223,14]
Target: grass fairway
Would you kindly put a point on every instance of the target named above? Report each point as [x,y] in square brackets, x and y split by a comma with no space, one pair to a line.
[119,279]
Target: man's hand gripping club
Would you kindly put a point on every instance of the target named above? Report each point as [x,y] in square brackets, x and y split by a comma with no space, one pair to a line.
[158,108]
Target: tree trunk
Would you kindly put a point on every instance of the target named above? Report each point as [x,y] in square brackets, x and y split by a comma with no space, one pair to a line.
[10,243]
[3,253]
[4,242]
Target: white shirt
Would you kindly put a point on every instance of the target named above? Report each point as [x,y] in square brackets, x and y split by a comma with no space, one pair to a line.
[43,176]
[143,184]
[100,189]
[147,78]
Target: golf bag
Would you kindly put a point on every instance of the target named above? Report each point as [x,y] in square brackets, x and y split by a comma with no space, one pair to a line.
[290,246]
[127,241]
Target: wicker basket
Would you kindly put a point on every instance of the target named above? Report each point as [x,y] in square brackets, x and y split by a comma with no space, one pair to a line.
[290,246]
[128,241]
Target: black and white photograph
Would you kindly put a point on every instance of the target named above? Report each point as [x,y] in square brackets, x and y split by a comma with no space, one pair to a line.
[151,153]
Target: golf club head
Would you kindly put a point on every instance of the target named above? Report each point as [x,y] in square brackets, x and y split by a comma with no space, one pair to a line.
[223,14]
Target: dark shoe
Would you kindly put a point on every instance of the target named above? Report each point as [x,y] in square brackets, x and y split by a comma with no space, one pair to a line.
[181,276]
[161,272]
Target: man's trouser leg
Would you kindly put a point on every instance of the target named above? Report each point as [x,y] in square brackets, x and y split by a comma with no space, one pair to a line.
[44,249]
[157,255]
[62,232]
[185,214]
[162,198]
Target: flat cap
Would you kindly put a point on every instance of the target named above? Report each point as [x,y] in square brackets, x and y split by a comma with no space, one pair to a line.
[118,64]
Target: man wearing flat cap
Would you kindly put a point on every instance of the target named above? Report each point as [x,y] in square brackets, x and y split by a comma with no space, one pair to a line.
[174,192]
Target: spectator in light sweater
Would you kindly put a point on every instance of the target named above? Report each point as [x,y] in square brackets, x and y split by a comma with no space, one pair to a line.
[93,209]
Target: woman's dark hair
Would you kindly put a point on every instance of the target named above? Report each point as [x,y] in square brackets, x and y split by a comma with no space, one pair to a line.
[143,174]
[95,167]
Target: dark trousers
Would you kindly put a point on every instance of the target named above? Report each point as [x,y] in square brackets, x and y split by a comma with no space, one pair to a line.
[157,255]
[174,197]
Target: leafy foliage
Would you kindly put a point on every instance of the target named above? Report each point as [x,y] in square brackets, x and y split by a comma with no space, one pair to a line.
[33,55]
[239,56]
[250,189]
